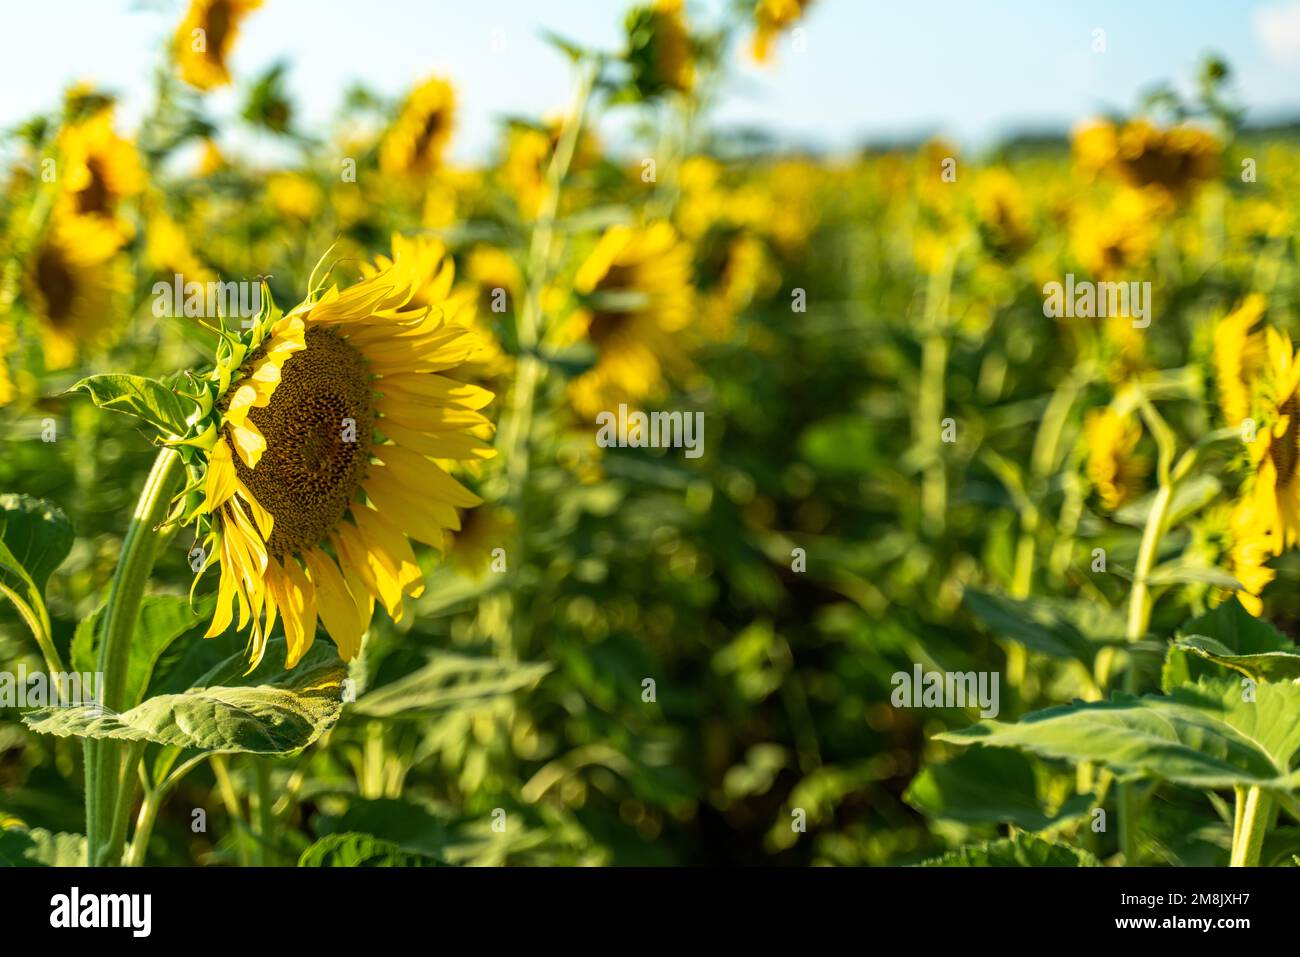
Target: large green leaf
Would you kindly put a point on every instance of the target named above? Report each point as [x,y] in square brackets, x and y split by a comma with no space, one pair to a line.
[35,538]
[37,847]
[163,619]
[1206,735]
[361,850]
[1232,637]
[447,681]
[147,399]
[1062,629]
[988,786]
[282,715]
[1023,850]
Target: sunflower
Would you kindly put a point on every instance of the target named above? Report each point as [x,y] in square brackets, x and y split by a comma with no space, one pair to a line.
[659,49]
[1251,545]
[101,169]
[205,37]
[1274,489]
[1110,241]
[1115,472]
[1239,356]
[1002,215]
[70,282]
[1177,160]
[415,143]
[636,289]
[771,19]
[482,531]
[315,461]
[8,340]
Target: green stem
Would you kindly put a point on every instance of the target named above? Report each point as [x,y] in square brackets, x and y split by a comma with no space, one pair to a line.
[1254,813]
[265,820]
[1139,619]
[139,549]
[929,406]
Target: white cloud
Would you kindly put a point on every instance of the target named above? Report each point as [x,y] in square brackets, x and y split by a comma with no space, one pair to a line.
[1278,29]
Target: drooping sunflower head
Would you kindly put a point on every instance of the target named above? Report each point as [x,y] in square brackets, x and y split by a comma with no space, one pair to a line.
[1113,468]
[205,38]
[637,298]
[415,143]
[660,52]
[315,464]
[70,282]
[771,19]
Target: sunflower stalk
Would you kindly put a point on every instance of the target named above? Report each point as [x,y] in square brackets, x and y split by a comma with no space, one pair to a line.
[518,436]
[104,757]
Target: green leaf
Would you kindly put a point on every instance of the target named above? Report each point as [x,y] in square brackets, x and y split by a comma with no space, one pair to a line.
[37,847]
[1189,498]
[37,536]
[283,715]
[1202,735]
[1231,637]
[1059,628]
[447,681]
[163,619]
[1023,850]
[146,399]
[988,786]
[361,850]
[1179,572]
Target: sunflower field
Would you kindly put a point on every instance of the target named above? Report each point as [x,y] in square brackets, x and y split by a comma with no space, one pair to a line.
[697,502]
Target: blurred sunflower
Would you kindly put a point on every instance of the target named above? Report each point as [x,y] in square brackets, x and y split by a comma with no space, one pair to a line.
[1114,471]
[1274,488]
[416,141]
[771,19]
[1177,160]
[100,170]
[69,284]
[294,196]
[8,339]
[659,49]
[1002,215]
[1109,241]
[637,296]
[205,37]
[1251,545]
[1239,357]
[317,466]
[482,530]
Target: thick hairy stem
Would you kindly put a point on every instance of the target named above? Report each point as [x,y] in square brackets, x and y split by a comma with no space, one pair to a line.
[104,764]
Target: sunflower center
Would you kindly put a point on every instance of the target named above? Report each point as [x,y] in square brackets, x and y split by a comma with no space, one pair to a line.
[57,285]
[94,198]
[218,26]
[317,429]
[1285,451]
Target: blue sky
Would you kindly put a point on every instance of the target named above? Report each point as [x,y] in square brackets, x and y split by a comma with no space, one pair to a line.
[870,67]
